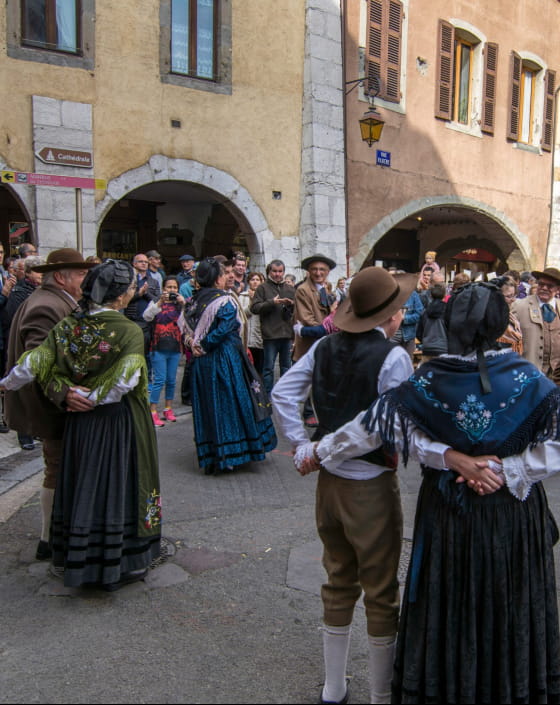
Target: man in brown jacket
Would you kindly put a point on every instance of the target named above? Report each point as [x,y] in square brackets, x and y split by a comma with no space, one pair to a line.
[539,318]
[310,308]
[28,410]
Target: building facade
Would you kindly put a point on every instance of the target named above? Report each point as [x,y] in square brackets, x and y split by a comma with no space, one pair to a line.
[204,140]
[467,92]
[192,128]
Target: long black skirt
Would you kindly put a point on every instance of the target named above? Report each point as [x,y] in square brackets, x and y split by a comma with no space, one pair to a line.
[479,622]
[94,530]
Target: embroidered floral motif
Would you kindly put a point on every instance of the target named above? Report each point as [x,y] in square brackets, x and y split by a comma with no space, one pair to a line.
[84,343]
[473,417]
[255,386]
[153,513]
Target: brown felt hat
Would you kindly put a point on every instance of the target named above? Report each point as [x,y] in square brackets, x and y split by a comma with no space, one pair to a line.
[374,296]
[549,273]
[65,258]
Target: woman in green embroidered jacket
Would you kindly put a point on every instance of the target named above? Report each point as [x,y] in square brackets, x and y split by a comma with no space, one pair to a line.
[106,525]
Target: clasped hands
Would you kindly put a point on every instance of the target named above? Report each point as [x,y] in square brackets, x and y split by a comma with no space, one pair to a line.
[476,471]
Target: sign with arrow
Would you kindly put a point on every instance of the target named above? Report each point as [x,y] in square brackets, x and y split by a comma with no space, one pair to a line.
[65,157]
[29,179]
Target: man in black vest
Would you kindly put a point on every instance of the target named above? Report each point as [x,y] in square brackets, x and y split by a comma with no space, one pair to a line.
[358,507]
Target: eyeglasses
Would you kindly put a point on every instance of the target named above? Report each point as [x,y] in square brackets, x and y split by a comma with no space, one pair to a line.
[141,261]
[547,285]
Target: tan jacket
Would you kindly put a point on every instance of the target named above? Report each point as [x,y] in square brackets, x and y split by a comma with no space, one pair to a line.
[28,410]
[307,310]
[529,314]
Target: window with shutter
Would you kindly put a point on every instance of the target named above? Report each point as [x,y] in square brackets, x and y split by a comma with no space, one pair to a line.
[383,49]
[489,88]
[548,117]
[445,70]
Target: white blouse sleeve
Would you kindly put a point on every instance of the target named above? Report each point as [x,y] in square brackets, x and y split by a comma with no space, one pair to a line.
[18,377]
[121,388]
[151,311]
[353,440]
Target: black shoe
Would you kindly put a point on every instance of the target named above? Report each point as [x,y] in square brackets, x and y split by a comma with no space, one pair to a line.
[4,427]
[126,579]
[28,446]
[43,551]
[337,702]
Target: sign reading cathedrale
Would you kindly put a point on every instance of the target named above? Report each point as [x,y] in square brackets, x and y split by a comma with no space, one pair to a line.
[65,157]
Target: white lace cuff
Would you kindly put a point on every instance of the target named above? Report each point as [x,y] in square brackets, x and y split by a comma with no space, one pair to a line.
[518,481]
[304,452]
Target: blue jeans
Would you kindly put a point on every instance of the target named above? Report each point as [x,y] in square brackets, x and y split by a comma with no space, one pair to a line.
[164,372]
[281,347]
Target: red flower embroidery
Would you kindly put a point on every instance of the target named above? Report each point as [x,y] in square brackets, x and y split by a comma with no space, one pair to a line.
[104,346]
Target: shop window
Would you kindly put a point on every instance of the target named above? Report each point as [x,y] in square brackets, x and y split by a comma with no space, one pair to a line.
[58,32]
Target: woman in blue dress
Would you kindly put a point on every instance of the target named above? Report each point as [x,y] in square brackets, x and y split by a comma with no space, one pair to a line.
[231,412]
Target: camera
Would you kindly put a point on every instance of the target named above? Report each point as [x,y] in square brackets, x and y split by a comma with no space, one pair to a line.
[173,296]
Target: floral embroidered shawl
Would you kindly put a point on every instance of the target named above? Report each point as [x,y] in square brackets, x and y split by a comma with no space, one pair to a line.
[96,351]
[444,398]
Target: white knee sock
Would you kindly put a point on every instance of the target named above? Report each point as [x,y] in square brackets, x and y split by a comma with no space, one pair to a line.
[47,499]
[381,655]
[336,642]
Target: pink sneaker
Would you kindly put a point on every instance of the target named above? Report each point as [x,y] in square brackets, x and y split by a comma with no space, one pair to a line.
[157,421]
[168,415]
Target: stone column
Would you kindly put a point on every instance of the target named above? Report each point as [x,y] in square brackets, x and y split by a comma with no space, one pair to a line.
[323,222]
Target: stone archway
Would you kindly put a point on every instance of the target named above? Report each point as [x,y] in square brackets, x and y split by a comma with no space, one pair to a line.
[232,194]
[492,224]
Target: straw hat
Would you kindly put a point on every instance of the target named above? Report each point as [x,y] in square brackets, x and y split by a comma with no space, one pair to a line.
[374,296]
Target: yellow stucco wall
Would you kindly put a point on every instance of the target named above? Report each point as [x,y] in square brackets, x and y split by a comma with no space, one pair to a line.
[254,134]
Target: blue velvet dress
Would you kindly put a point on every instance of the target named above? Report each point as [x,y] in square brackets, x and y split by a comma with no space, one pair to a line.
[227,432]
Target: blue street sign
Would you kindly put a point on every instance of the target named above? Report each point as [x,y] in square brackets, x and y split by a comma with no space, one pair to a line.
[383,158]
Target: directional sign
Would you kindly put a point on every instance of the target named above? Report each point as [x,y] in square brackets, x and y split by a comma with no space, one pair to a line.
[66,157]
[23,177]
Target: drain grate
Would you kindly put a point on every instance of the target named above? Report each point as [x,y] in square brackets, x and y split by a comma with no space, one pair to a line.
[166,551]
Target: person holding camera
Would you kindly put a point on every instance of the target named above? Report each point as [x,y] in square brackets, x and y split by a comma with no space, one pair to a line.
[274,303]
[165,348]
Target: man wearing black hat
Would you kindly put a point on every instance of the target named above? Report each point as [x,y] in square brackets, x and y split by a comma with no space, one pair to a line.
[539,317]
[359,523]
[28,410]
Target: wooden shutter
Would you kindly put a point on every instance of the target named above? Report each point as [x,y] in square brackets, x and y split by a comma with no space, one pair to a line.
[489,89]
[392,87]
[514,97]
[374,46]
[444,77]
[548,116]
[383,49]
